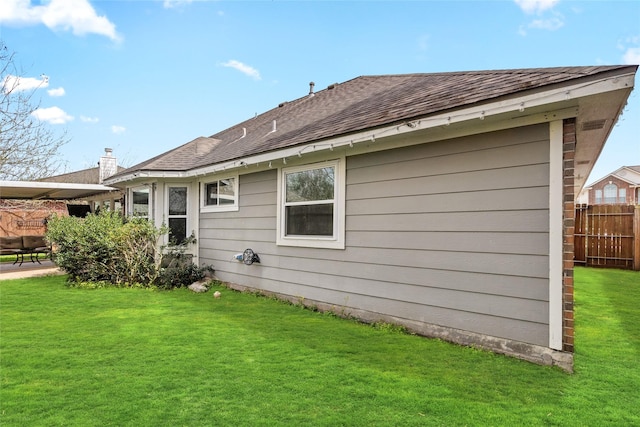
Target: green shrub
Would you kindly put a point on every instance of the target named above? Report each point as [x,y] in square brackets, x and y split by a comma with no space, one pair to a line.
[181,275]
[138,257]
[109,248]
[85,248]
[177,269]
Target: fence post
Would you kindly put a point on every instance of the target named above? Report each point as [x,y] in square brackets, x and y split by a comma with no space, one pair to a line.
[580,235]
[636,238]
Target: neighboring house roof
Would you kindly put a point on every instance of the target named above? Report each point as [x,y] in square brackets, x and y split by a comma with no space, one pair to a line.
[633,168]
[628,174]
[373,102]
[84,176]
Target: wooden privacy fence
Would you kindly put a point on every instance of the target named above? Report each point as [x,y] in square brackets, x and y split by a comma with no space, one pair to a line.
[607,236]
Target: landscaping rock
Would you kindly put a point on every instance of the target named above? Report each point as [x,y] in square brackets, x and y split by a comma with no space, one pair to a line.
[198,287]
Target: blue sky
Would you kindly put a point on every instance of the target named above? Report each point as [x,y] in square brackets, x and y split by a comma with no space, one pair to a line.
[143,77]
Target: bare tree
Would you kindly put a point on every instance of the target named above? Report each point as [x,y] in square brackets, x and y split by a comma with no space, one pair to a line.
[29,149]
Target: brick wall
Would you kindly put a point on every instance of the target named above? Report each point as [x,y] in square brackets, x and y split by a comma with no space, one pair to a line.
[630,196]
[568,156]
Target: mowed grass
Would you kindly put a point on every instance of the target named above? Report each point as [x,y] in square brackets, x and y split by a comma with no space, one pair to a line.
[133,357]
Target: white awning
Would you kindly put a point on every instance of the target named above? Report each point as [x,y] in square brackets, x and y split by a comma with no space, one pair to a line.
[36,190]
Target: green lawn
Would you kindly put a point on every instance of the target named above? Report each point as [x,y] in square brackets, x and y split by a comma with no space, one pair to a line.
[134,357]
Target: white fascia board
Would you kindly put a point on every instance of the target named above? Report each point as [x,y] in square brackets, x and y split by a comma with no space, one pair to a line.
[148,174]
[627,180]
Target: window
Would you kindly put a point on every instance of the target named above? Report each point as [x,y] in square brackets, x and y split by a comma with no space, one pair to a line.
[598,196]
[140,202]
[177,213]
[622,195]
[220,195]
[610,193]
[311,205]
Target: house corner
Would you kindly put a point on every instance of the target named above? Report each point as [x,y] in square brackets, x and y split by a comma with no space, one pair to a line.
[568,156]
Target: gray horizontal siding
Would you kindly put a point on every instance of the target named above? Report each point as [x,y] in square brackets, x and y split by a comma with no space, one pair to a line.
[508,264]
[466,182]
[535,221]
[452,233]
[452,241]
[473,201]
[490,314]
[417,274]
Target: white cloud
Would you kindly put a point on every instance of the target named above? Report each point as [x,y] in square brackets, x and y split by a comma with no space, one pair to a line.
[86,119]
[551,24]
[549,20]
[18,84]
[19,12]
[77,16]
[535,6]
[170,4]
[243,68]
[56,92]
[52,115]
[118,129]
[632,56]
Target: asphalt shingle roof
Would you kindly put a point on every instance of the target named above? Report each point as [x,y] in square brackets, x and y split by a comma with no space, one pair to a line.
[635,168]
[361,103]
[84,176]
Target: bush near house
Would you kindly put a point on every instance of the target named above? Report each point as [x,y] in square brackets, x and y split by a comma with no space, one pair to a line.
[109,248]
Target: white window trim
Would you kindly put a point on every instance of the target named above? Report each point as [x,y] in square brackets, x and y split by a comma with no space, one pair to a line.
[622,195]
[130,191]
[612,195]
[598,196]
[166,215]
[223,208]
[337,241]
